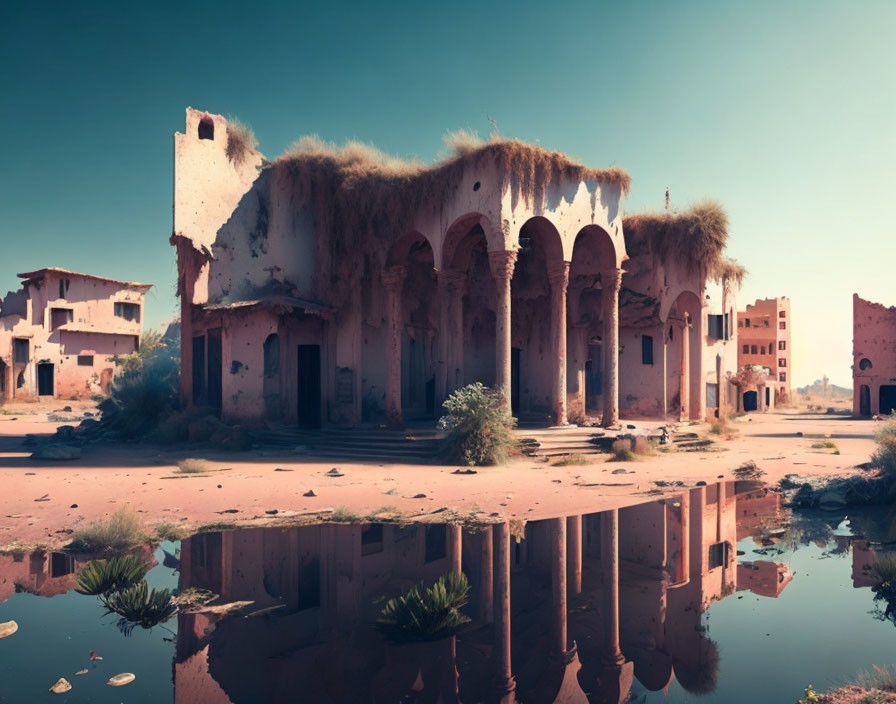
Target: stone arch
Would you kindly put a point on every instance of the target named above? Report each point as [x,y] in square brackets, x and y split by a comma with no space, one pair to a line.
[686,308]
[455,244]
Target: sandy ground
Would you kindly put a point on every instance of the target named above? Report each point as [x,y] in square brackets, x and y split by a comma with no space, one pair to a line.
[42,501]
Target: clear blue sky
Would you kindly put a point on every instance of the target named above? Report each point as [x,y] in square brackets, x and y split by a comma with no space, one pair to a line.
[783,111]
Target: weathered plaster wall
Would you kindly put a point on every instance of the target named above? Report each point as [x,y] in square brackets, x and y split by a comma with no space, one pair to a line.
[874,340]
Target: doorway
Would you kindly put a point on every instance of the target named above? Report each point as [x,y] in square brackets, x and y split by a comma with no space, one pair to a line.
[751,401]
[214,369]
[887,400]
[864,400]
[768,397]
[45,379]
[515,353]
[309,386]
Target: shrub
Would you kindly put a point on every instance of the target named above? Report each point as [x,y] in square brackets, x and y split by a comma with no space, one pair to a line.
[146,388]
[117,573]
[642,445]
[342,514]
[140,605]
[622,450]
[749,470]
[426,614]
[192,466]
[884,458]
[478,426]
[566,460]
[116,533]
[824,445]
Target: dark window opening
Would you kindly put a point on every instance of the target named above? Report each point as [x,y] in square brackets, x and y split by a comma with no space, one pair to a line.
[782,325]
[20,380]
[782,376]
[272,356]
[206,128]
[865,364]
[727,330]
[740,323]
[436,542]
[746,322]
[865,400]
[753,349]
[718,555]
[765,322]
[887,399]
[782,362]
[646,349]
[746,349]
[85,360]
[371,538]
[21,350]
[63,287]
[61,564]
[477,186]
[309,585]
[128,311]
[782,345]
[716,325]
[45,385]
[59,317]
[762,349]
[782,314]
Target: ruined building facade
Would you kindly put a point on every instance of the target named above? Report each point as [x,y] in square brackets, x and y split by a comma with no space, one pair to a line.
[332,286]
[60,332]
[874,358]
[764,331]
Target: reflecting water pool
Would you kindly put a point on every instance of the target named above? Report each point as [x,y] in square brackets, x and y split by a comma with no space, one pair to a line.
[716,593]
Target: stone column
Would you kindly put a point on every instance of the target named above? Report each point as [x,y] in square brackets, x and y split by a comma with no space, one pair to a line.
[685,567]
[611,280]
[502,264]
[574,554]
[558,275]
[697,557]
[486,575]
[558,587]
[684,394]
[609,557]
[504,681]
[455,546]
[451,291]
[393,280]
[701,371]
[578,351]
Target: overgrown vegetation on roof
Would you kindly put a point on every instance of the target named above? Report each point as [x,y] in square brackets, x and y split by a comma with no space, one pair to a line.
[696,236]
[241,141]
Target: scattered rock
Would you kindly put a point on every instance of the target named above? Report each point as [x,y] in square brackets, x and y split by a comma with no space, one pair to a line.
[81,672]
[272,512]
[94,656]
[630,427]
[30,474]
[45,497]
[281,469]
[121,680]
[74,506]
[219,486]
[419,496]
[469,471]
[8,628]
[66,409]
[701,483]
[310,493]
[230,510]
[619,471]
[61,687]
[56,451]
[335,473]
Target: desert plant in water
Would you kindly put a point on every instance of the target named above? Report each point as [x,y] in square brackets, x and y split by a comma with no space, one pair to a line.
[426,614]
[116,533]
[105,576]
[478,426]
[140,605]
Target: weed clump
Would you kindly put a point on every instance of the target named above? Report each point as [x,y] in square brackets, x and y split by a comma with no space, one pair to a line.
[569,460]
[748,470]
[241,141]
[192,466]
[116,533]
[622,451]
[478,426]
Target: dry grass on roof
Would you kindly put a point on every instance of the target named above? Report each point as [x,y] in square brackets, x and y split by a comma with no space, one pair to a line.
[697,236]
[241,141]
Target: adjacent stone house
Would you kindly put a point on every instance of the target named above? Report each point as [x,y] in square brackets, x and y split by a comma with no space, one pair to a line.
[339,286]
[764,332]
[874,358]
[60,332]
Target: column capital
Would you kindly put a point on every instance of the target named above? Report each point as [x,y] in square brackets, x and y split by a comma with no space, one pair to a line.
[452,279]
[502,263]
[393,277]
[611,279]
[558,273]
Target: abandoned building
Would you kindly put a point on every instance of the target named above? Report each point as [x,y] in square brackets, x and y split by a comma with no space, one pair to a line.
[60,332]
[873,358]
[339,286]
[764,332]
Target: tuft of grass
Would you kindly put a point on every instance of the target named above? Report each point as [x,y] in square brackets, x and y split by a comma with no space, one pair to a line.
[644,446]
[384,509]
[824,445]
[571,459]
[462,142]
[241,141]
[192,466]
[622,451]
[343,514]
[172,531]
[116,533]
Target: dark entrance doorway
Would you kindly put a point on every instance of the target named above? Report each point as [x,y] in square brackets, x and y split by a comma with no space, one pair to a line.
[3,375]
[214,369]
[751,401]
[887,400]
[864,400]
[309,386]
[515,380]
[45,379]
[768,397]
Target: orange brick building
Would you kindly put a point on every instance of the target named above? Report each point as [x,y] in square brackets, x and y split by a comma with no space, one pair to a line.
[763,331]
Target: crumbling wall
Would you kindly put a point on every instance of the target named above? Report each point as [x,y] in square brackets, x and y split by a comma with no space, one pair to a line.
[874,350]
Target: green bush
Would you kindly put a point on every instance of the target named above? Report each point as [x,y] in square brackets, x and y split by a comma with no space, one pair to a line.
[426,614]
[146,388]
[478,426]
[115,574]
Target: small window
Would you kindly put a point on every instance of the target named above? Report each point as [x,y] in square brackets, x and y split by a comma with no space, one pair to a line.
[85,360]
[59,317]
[61,564]
[746,349]
[740,323]
[747,322]
[782,376]
[782,325]
[646,349]
[371,538]
[718,555]
[63,287]
[765,322]
[716,325]
[727,330]
[128,311]
[782,314]
[782,362]
[21,350]
[865,364]
[436,542]
[782,345]
[206,128]
[754,349]
[762,349]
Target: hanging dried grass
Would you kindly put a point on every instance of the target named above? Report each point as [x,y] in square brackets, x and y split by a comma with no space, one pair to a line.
[241,141]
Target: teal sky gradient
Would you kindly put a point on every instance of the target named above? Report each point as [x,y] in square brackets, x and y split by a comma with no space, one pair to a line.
[783,111]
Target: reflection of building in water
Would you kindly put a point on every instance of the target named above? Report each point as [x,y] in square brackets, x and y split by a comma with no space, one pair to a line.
[559,607]
[42,573]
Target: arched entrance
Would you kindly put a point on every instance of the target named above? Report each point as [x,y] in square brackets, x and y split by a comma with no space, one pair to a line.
[684,358]
[864,400]
[751,401]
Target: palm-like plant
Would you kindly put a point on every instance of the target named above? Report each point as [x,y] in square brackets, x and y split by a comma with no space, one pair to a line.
[141,605]
[115,574]
[426,614]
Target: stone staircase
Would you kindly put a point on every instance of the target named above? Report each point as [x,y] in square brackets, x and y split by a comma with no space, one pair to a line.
[413,446]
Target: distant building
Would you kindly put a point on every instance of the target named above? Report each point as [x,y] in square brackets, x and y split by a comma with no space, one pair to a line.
[873,358]
[764,341]
[60,332]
